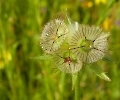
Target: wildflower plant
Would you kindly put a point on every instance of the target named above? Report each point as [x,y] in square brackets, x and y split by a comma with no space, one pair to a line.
[73,45]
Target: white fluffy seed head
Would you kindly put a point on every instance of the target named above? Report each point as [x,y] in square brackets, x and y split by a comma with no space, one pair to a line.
[53,35]
[89,44]
[65,61]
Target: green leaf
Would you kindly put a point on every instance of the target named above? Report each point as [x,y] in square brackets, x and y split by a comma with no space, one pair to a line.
[108,59]
[98,71]
[42,57]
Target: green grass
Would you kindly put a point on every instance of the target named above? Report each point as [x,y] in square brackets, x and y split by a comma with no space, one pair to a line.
[22,78]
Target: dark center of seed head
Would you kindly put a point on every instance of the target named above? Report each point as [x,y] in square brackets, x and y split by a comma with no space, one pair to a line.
[67,59]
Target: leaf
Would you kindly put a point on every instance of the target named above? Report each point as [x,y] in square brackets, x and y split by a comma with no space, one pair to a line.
[42,57]
[108,59]
[98,71]
[74,79]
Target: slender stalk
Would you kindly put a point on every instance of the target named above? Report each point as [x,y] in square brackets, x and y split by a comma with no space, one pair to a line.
[77,88]
[62,85]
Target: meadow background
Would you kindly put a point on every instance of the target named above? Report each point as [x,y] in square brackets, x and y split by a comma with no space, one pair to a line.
[23,78]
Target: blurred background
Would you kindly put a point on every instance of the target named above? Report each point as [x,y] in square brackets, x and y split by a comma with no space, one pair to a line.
[21,24]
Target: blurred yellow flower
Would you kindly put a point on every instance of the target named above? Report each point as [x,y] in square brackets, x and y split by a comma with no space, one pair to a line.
[5,57]
[1,64]
[90,4]
[97,2]
[107,24]
[87,4]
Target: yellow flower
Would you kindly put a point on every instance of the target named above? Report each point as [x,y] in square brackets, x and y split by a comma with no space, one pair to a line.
[1,64]
[97,2]
[107,24]
[90,4]
[5,57]
[87,4]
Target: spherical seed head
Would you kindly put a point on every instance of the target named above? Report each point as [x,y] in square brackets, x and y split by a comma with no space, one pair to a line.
[53,35]
[66,62]
[89,44]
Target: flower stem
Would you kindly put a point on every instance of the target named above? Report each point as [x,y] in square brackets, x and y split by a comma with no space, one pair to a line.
[77,88]
[62,86]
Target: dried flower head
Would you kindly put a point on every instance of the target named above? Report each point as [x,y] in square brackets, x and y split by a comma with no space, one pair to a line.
[66,62]
[70,45]
[89,44]
[53,34]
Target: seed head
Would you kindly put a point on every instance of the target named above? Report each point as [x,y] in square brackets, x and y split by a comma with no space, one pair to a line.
[89,44]
[65,61]
[53,35]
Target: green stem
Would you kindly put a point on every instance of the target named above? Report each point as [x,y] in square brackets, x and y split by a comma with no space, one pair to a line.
[77,88]
[62,85]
